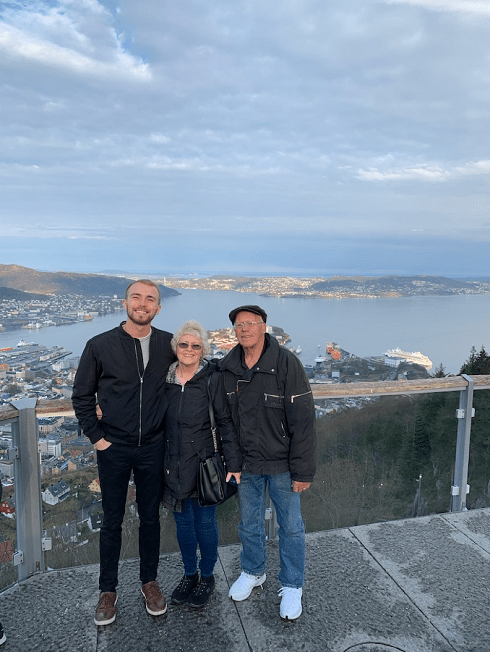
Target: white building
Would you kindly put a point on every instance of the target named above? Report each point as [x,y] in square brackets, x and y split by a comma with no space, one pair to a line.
[53,446]
[56,493]
[7,468]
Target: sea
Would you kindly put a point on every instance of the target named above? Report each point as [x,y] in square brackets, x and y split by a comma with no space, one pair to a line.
[442,327]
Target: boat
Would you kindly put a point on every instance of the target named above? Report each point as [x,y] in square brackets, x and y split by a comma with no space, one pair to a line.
[415,357]
[298,350]
[23,343]
[320,359]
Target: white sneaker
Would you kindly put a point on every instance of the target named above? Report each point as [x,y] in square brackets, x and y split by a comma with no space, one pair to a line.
[242,587]
[291,603]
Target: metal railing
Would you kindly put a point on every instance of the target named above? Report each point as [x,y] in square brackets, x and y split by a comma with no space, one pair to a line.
[25,451]
[464,384]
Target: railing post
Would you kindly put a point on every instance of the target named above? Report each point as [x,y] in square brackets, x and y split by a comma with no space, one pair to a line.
[271,521]
[28,509]
[464,415]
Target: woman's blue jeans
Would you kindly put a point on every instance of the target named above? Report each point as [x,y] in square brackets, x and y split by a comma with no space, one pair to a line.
[197,525]
[252,499]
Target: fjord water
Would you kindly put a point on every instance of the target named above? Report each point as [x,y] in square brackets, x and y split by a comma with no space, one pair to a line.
[442,327]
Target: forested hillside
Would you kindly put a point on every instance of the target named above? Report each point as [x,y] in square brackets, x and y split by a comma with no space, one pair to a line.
[395,457]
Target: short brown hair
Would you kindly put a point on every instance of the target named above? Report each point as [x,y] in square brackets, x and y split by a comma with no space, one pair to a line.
[145,281]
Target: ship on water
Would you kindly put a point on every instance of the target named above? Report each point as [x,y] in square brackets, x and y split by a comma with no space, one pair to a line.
[393,357]
[320,359]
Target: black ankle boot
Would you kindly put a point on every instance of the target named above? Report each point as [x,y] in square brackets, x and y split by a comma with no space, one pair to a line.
[202,593]
[182,592]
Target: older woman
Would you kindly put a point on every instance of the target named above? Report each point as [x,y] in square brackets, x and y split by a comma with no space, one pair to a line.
[187,439]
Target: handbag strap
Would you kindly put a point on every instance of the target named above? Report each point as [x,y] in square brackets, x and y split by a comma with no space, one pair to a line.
[211,416]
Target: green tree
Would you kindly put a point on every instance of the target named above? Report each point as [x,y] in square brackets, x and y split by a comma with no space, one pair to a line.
[416,447]
[477,363]
[440,371]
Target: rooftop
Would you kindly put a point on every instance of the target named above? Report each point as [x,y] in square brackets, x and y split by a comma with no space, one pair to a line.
[415,585]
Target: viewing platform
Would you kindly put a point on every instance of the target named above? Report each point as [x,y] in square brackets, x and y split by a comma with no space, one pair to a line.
[410,585]
[415,585]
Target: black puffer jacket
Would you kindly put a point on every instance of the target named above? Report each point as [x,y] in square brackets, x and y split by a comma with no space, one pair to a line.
[273,412]
[188,431]
[130,396]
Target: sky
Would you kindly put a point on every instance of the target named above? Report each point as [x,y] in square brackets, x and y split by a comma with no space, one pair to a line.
[297,137]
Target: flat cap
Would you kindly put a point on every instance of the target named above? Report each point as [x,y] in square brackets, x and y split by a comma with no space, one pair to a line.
[257,310]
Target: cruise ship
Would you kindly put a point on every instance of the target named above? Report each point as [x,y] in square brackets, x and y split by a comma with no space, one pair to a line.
[393,357]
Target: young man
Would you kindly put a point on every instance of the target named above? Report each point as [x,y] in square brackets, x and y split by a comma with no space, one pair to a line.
[272,408]
[122,374]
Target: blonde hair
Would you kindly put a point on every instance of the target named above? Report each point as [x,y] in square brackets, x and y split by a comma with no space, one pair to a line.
[192,327]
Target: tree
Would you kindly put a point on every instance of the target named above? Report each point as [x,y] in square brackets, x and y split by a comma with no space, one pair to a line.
[416,447]
[477,363]
[440,371]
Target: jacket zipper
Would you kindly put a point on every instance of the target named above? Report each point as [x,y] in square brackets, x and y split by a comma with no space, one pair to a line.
[299,395]
[240,381]
[181,398]
[141,411]
[141,393]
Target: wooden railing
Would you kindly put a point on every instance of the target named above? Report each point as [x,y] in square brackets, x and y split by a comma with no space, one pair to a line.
[423,386]
[61,407]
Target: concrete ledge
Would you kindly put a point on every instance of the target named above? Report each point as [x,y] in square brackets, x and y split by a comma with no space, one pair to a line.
[417,585]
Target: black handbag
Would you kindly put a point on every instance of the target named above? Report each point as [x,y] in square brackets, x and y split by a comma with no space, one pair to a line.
[212,488]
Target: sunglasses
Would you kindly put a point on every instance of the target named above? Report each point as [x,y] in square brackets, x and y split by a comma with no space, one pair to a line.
[185,345]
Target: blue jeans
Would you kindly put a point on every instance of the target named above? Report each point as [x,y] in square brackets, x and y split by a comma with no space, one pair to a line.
[252,499]
[115,464]
[197,525]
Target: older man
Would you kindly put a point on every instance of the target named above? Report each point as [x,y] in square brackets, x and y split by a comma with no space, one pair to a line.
[123,371]
[272,408]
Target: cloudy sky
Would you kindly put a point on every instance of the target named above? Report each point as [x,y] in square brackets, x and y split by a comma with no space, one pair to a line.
[267,136]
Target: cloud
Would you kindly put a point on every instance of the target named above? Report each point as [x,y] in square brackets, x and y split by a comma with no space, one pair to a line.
[52,230]
[75,37]
[300,125]
[477,7]
[425,172]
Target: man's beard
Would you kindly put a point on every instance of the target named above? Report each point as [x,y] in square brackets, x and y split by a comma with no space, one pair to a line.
[140,319]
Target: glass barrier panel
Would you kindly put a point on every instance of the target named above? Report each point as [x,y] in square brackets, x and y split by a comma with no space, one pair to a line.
[378,459]
[386,458]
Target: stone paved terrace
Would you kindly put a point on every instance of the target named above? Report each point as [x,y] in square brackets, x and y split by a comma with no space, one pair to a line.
[416,585]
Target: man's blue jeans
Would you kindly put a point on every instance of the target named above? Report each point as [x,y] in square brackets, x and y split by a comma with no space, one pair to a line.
[197,525]
[252,499]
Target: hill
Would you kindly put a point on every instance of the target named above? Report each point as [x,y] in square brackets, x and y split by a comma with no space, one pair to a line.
[395,285]
[337,286]
[24,279]
[9,293]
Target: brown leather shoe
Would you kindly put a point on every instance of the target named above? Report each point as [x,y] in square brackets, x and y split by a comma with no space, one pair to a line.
[155,602]
[105,612]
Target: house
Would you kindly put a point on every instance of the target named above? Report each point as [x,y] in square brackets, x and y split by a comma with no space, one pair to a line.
[7,507]
[94,486]
[68,532]
[74,463]
[95,522]
[48,424]
[56,493]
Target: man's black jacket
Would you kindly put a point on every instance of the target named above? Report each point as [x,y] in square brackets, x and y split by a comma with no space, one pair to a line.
[273,412]
[130,396]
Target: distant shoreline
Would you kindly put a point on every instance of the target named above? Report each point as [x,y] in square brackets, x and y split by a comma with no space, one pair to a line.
[338,287]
